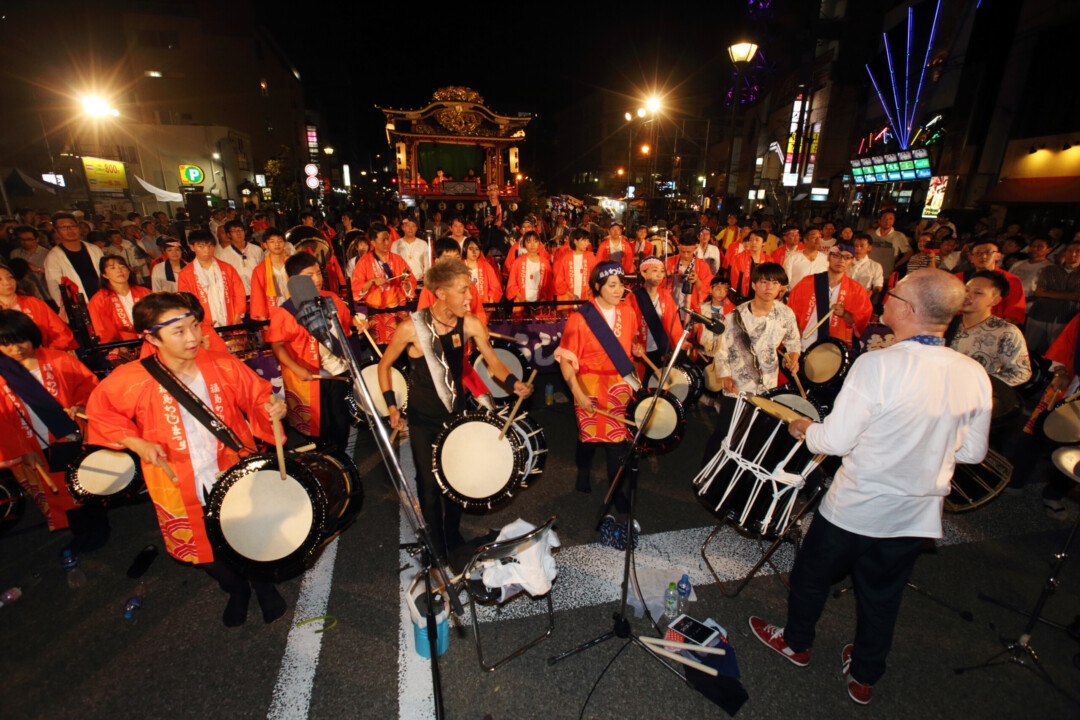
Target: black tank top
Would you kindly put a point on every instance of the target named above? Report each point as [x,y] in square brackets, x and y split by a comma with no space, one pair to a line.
[424,402]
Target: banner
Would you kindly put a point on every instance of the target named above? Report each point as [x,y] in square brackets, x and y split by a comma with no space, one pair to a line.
[538,341]
[105,175]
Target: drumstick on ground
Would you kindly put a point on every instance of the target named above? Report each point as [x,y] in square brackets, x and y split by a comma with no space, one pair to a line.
[652,366]
[613,416]
[681,659]
[667,644]
[517,406]
[812,330]
[279,446]
[45,476]
[373,343]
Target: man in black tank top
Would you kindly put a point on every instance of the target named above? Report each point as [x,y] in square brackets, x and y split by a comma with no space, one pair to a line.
[435,339]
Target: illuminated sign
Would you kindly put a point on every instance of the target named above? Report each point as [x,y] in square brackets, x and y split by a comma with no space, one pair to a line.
[311,169]
[907,174]
[191,174]
[935,196]
[104,175]
[878,159]
[859,180]
[866,162]
[266,193]
[857,172]
[892,167]
[890,158]
[879,169]
[903,155]
[907,165]
[54,179]
[260,180]
[922,163]
[790,178]
[894,176]
[312,182]
[920,153]
[922,173]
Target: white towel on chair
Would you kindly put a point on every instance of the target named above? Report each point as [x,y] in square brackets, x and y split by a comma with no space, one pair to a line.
[531,570]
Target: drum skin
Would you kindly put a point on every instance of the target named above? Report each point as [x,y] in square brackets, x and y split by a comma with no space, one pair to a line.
[824,364]
[472,465]
[398,382]
[686,382]
[511,355]
[667,424]
[105,476]
[270,529]
[973,486]
[1062,424]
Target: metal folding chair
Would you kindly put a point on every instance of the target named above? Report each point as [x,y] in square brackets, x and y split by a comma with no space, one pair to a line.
[499,551]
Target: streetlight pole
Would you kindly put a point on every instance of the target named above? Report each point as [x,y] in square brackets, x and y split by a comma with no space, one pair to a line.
[741,53]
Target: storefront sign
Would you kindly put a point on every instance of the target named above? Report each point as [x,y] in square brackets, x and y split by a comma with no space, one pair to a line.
[104,175]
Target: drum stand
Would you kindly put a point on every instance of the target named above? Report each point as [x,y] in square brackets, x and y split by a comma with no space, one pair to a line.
[629,468]
[1020,651]
[429,560]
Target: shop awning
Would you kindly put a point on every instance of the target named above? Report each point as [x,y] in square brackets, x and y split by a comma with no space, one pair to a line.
[1035,190]
[159,194]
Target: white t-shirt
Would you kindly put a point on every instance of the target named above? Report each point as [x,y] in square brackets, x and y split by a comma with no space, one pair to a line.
[1028,272]
[128,302]
[867,273]
[245,263]
[214,287]
[202,445]
[415,255]
[650,341]
[532,281]
[40,429]
[797,266]
[579,261]
[905,416]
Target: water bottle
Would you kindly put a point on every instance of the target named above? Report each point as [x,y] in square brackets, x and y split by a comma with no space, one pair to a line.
[134,602]
[75,577]
[9,596]
[671,602]
[549,394]
[684,594]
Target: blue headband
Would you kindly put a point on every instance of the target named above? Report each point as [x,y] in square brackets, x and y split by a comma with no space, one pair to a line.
[170,321]
[612,269]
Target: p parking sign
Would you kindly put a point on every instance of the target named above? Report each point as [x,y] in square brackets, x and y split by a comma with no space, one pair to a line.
[191,174]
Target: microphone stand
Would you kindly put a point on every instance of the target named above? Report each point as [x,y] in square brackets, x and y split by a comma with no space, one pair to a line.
[621,628]
[408,502]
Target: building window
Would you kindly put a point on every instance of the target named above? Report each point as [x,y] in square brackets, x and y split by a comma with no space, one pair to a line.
[152,73]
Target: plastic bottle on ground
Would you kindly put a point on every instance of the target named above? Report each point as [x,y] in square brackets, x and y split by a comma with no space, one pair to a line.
[134,603]
[684,589]
[671,602]
[75,576]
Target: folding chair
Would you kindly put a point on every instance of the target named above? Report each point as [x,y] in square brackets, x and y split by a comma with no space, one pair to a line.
[499,551]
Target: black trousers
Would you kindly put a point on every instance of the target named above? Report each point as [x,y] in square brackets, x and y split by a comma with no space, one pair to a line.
[614,454]
[334,420]
[442,515]
[879,567]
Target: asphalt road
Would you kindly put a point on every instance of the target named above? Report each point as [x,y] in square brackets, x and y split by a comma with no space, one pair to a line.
[70,654]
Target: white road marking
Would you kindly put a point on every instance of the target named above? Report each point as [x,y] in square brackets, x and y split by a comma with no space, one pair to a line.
[292,693]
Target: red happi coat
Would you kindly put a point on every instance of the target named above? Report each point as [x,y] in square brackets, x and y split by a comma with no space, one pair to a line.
[1063,349]
[740,270]
[513,255]
[235,298]
[130,403]
[70,382]
[302,396]
[597,374]
[605,250]
[701,291]
[669,318]
[111,321]
[564,275]
[263,293]
[488,285]
[392,294]
[803,302]
[515,286]
[55,335]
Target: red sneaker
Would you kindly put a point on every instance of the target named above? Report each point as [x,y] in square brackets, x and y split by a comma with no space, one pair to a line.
[856,690]
[773,636]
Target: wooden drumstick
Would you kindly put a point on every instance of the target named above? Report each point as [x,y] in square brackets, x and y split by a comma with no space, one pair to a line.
[704,649]
[373,343]
[682,659]
[503,337]
[394,435]
[812,330]
[279,446]
[517,406]
[304,448]
[44,475]
[81,416]
[798,384]
[656,370]
[331,377]
[169,472]
[613,416]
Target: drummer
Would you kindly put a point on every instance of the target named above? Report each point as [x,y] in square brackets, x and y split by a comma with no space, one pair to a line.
[269,278]
[317,405]
[846,299]
[383,281]
[41,391]
[594,357]
[659,327]
[434,339]
[718,308]
[746,360]
[572,269]
[132,409]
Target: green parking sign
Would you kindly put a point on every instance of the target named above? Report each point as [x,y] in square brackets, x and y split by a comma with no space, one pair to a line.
[191,174]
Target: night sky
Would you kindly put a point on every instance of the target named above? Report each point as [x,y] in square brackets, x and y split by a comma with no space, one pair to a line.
[532,57]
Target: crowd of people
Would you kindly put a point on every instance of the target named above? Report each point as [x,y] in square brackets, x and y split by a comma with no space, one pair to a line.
[424,286]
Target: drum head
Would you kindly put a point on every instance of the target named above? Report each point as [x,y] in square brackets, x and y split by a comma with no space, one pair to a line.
[775,409]
[511,356]
[664,420]
[106,472]
[823,362]
[679,383]
[264,518]
[1063,424]
[472,464]
[798,404]
[370,374]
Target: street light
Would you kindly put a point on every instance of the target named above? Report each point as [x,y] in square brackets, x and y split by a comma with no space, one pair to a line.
[741,53]
[628,117]
[98,107]
[328,150]
[653,104]
[644,149]
[641,112]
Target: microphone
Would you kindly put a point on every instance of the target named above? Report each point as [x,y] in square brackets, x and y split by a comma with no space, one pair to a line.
[714,325]
[309,309]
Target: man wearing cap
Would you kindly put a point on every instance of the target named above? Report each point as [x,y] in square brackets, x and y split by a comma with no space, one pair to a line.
[808,261]
[412,249]
[847,299]
[707,250]
[688,277]
[617,248]
[985,256]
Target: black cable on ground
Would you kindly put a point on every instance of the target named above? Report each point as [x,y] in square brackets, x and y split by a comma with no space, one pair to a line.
[601,677]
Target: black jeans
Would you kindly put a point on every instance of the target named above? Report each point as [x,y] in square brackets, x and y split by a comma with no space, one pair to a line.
[442,515]
[614,454]
[879,567]
[335,420]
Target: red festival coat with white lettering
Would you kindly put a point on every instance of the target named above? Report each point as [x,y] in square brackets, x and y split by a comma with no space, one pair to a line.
[702,290]
[605,250]
[803,302]
[564,275]
[235,298]
[390,295]
[110,318]
[515,286]
[54,333]
[130,403]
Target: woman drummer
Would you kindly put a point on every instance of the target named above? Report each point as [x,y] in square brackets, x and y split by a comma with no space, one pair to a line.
[54,333]
[110,307]
[594,357]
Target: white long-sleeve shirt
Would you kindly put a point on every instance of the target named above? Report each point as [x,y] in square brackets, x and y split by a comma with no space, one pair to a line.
[905,416]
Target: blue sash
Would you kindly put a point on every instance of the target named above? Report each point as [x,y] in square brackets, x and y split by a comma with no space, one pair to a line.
[652,320]
[23,383]
[606,337]
[821,297]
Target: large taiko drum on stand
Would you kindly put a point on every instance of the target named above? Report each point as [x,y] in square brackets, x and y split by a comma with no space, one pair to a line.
[756,476]
[473,466]
[104,476]
[511,355]
[269,528]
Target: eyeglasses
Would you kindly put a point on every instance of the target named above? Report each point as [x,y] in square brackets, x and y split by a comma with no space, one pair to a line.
[983,253]
[907,302]
[66,227]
